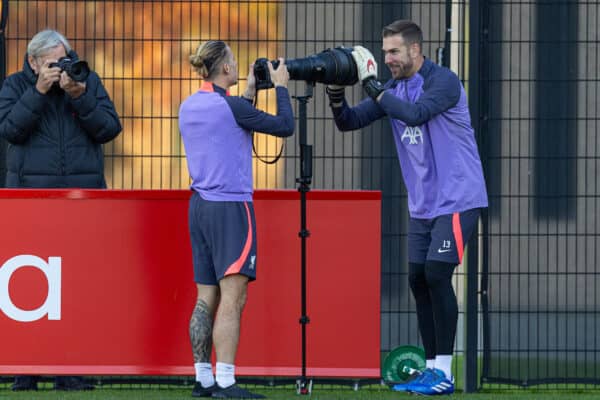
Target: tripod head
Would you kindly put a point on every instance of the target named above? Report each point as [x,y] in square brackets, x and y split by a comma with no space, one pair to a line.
[305,178]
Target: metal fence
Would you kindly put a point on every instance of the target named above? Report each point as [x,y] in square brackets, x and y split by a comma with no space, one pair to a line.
[531,71]
[539,105]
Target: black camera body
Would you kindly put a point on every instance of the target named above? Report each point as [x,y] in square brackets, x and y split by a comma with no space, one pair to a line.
[261,73]
[332,66]
[77,70]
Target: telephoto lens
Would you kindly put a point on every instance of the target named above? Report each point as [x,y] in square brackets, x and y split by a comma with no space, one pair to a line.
[332,66]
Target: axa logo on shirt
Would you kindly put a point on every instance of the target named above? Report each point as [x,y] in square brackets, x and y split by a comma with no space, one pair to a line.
[52,271]
[413,133]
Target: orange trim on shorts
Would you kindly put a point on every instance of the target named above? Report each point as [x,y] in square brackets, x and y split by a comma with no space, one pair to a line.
[239,263]
[458,238]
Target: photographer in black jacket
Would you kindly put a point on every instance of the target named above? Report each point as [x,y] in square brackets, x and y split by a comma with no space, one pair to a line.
[55,127]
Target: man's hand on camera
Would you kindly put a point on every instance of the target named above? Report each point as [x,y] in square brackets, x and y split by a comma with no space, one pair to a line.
[279,76]
[336,95]
[365,63]
[47,77]
[72,88]
[374,88]
[250,91]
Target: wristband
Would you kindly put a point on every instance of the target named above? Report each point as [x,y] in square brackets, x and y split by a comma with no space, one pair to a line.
[373,88]
[336,96]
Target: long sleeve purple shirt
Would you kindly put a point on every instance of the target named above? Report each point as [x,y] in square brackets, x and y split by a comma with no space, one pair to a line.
[434,140]
[217,136]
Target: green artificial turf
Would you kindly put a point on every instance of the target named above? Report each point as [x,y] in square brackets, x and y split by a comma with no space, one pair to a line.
[372,392]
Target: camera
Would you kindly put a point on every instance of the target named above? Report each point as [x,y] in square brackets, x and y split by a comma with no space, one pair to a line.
[77,70]
[332,66]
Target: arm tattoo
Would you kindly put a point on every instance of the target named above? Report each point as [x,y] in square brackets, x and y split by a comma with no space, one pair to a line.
[201,332]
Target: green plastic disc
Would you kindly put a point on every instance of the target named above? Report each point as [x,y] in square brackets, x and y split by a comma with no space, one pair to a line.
[399,362]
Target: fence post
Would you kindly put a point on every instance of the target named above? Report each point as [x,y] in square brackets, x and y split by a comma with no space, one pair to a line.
[471,370]
[3,20]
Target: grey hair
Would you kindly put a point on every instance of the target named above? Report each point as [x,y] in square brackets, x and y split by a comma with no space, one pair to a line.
[46,40]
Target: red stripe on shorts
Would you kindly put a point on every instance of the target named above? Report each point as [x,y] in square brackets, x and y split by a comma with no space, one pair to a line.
[239,263]
[457,230]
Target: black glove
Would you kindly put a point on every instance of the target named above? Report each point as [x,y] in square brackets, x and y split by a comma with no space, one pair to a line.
[335,93]
[373,88]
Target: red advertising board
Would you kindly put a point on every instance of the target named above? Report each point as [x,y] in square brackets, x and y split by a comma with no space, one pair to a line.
[100,282]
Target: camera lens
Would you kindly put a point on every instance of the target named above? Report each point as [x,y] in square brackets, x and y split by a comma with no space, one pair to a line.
[79,71]
[331,66]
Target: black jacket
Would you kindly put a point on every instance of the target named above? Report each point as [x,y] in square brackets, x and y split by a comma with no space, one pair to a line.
[54,141]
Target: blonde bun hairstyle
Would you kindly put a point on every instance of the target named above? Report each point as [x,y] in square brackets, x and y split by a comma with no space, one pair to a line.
[208,56]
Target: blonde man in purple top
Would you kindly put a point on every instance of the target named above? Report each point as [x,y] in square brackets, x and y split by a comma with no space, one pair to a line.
[427,108]
[217,134]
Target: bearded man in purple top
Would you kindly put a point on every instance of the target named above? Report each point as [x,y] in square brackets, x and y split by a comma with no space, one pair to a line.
[217,134]
[438,155]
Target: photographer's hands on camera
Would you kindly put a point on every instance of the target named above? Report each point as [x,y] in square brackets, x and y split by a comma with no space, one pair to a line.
[48,76]
[250,91]
[279,76]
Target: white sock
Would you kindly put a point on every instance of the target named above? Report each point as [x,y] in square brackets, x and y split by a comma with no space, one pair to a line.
[225,374]
[430,364]
[204,374]
[444,363]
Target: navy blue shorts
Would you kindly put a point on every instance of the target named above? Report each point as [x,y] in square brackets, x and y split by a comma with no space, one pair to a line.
[223,235]
[441,238]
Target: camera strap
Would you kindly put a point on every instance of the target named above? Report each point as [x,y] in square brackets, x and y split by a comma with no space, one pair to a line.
[277,157]
[273,161]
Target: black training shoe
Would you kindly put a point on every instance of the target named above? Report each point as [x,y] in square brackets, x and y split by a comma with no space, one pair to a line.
[71,383]
[235,392]
[25,382]
[201,391]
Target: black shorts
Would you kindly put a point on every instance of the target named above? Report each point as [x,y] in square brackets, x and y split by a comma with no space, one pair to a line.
[223,235]
[441,238]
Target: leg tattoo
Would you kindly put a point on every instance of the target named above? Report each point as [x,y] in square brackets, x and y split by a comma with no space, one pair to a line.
[201,332]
